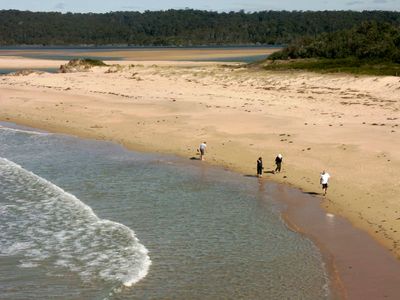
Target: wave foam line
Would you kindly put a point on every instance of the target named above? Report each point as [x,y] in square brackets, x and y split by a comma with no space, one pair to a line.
[23,131]
[42,221]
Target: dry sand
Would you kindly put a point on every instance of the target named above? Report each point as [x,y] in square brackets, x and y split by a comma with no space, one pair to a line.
[348,125]
[16,62]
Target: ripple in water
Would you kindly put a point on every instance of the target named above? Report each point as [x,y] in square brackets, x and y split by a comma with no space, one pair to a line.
[44,224]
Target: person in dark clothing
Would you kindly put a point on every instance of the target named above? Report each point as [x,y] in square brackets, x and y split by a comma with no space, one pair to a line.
[259,167]
[278,163]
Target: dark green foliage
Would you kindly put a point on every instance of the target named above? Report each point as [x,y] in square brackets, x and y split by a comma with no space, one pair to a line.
[369,41]
[338,65]
[178,27]
[81,64]
[92,62]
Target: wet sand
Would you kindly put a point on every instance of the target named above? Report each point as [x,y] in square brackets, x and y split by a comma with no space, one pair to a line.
[359,267]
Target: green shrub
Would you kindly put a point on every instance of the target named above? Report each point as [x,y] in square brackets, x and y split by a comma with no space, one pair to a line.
[367,41]
[93,62]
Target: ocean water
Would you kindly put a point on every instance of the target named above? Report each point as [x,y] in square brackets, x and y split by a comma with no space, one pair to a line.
[85,219]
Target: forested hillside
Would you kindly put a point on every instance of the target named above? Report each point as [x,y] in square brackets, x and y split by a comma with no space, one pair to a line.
[368,48]
[367,41]
[177,27]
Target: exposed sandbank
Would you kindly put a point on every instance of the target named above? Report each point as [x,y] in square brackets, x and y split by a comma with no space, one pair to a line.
[15,62]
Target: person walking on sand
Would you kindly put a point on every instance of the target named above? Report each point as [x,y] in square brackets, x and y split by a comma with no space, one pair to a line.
[324,179]
[202,149]
[278,163]
[259,167]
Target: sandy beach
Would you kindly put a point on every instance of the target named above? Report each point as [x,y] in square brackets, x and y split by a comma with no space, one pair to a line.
[17,62]
[347,125]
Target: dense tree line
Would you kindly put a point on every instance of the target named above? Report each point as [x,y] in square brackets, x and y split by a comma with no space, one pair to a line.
[367,41]
[176,27]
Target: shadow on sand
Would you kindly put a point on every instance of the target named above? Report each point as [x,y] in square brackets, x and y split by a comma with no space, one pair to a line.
[312,193]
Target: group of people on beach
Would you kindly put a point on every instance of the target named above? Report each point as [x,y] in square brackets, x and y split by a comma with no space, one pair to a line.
[278,164]
[324,176]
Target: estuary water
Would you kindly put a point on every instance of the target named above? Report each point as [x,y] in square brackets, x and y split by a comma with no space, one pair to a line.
[83,219]
[103,53]
[12,70]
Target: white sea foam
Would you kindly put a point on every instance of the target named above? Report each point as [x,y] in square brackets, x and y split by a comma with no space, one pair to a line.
[45,224]
[9,129]
[28,265]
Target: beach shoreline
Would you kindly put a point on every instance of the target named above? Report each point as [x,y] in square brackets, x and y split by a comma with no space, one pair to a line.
[352,274]
[359,267]
[345,124]
[256,191]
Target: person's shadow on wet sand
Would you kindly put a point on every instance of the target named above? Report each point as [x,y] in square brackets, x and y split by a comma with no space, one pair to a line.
[312,193]
[250,175]
[269,172]
[194,158]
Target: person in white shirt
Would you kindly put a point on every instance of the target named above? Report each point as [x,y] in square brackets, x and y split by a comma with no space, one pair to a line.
[202,149]
[324,179]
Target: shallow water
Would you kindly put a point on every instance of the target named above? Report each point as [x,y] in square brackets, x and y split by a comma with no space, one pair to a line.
[68,53]
[12,70]
[93,219]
